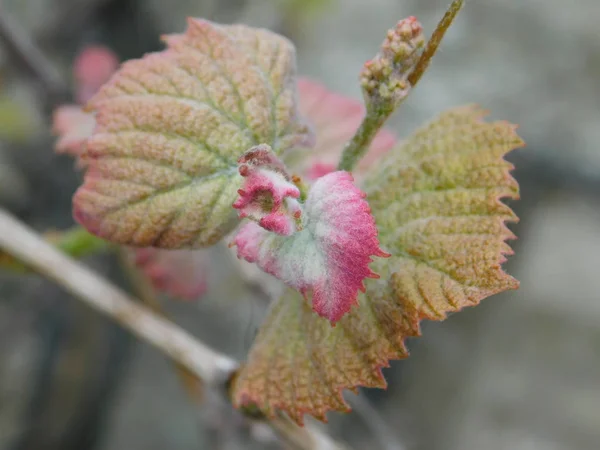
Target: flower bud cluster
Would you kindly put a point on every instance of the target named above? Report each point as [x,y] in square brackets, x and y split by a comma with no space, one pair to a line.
[385,77]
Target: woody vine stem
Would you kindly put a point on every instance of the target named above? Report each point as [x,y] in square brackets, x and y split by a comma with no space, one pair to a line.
[211,367]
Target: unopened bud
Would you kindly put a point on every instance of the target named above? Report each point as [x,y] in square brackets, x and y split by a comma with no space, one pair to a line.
[385,77]
[268,195]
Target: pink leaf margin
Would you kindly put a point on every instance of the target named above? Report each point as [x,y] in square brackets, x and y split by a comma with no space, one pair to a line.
[330,257]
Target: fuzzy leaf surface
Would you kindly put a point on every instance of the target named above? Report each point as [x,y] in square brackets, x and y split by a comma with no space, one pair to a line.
[330,255]
[162,161]
[436,202]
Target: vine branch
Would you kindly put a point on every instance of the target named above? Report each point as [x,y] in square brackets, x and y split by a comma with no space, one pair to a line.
[212,367]
[146,293]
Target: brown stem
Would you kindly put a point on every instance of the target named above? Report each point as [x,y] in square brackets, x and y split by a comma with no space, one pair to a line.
[434,42]
[145,292]
[212,367]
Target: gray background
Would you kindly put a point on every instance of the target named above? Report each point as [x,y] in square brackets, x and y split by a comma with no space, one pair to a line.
[519,372]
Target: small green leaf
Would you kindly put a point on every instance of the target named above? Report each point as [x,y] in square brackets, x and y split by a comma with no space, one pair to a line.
[162,161]
[436,201]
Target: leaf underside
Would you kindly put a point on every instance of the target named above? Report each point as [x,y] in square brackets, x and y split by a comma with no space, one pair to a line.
[182,274]
[437,203]
[170,127]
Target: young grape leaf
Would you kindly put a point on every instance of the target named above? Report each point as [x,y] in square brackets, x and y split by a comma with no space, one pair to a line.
[162,160]
[92,68]
[268,195]
[181,274]
[73,126]
[330,255]
[436,201]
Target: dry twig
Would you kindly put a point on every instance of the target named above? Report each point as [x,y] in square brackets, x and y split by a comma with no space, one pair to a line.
[212,367]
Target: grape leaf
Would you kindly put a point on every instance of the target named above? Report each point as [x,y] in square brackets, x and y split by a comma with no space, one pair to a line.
[330,254]
[92,68]
[181,274]
[436,202]
[73,126]
[162,160]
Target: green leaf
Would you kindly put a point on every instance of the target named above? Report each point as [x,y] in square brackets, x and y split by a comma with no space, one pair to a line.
[436,201]
[162,161]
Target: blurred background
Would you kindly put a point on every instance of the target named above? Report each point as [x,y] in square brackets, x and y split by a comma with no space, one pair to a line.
[519,372]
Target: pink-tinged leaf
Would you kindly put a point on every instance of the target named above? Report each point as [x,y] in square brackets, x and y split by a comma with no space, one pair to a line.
[335,119]
[268,195]
[437,203]
[170,128]
[329,258]
[257,279]
[92,68]
[179,273]
[73,126]
[318,170]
